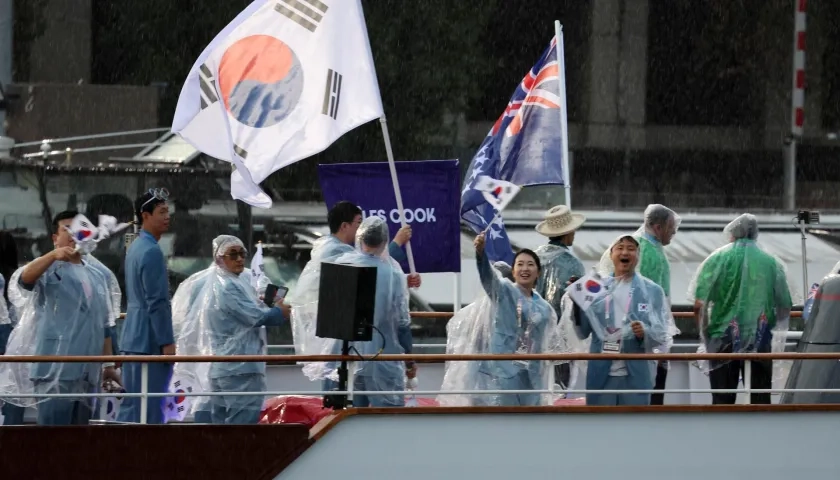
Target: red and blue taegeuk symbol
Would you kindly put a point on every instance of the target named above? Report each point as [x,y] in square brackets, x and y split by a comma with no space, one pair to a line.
[260,80]
[592,286]
[179,399]
[83,234]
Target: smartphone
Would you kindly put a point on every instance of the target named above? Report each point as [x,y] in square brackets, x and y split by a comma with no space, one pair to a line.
[272,292]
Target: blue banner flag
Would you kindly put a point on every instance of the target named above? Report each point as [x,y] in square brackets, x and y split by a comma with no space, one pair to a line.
[524,147]
[430,196]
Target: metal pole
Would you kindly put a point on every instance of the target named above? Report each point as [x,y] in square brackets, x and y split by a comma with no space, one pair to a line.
[804,264]
[390,153]
[797,99]
[790,177]
[144,389]
[564,119]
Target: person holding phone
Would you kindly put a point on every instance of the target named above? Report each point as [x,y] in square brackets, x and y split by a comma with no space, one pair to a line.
[217,312]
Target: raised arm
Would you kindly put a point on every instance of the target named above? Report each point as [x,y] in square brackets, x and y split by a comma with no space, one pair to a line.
[489,280]
[396,252]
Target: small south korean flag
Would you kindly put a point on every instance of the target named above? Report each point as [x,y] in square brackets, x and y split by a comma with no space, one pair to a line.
[644,307]
[498,193]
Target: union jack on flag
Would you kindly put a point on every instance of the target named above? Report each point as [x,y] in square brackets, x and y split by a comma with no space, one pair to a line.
[524,147]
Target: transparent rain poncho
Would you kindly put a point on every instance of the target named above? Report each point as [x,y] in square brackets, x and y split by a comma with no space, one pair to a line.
[517,324]
[65,313]
[304,298]
[609,319]
[468,333]
[653,263]
[559,264]
[5,318]
[392,332]
[743,295]
[216,312]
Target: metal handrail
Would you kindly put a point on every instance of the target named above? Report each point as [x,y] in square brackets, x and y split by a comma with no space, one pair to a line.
[90,137]
[451,314]
[415,357]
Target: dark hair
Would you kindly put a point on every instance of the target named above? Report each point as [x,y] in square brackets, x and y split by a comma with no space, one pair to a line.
[141,206]
[533,255]
[65,215]
[342,212]
[8,259]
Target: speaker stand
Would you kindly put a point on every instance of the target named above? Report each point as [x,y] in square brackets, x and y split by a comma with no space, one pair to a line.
[339,401]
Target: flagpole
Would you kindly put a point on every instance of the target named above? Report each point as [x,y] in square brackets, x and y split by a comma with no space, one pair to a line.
[384,123]
[564,119]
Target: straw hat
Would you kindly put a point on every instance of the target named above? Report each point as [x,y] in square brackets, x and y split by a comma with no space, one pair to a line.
[559,221]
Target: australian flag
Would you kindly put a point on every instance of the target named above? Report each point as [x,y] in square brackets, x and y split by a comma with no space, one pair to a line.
[524,147]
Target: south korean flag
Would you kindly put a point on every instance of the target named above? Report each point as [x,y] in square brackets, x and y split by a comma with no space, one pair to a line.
[498,193]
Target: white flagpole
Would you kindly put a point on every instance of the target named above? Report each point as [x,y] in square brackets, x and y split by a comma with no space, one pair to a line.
[396,183]
[564,119]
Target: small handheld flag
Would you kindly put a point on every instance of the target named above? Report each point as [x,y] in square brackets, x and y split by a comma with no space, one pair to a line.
[498,193]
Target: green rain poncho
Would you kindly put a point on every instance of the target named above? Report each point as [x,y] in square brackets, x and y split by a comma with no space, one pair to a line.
[743,293]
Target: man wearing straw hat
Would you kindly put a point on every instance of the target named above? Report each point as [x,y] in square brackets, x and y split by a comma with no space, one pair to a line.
[560,265]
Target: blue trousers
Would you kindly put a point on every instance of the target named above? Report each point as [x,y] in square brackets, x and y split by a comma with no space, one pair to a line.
[237,410]
[612,399]
[64,411]
[363,383]
[160,375]
[203,416]
[521,381]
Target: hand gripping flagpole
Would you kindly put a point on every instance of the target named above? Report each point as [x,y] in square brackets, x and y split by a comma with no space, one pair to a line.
[564,118]
[393,167]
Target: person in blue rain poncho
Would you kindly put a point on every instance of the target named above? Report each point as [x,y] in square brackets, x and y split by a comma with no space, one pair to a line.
[468,333]
[188,340]
[391,319]
[217,312]
[631,318]
[522,322]
[66,311]
[344,219]
[658,229]
[559,266]
[148,320]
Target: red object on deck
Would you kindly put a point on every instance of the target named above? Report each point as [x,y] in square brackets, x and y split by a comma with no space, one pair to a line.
[310,410]
[294,409]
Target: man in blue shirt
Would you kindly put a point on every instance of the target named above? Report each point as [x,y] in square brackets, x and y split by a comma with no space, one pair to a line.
[148,321]
[72,302]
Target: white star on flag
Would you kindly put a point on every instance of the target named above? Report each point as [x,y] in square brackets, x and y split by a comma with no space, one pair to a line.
[496,228]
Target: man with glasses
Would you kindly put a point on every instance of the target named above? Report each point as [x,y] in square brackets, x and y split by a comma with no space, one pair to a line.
[148,321]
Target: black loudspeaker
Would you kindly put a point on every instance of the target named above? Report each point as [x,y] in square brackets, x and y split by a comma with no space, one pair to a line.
[346,299]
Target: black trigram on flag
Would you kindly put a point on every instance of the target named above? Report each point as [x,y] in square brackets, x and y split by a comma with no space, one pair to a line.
[177,384]
[332,94]
[180,408]
[208,86]
[306,13]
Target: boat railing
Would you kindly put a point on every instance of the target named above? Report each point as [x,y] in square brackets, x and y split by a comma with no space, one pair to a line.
[144,361]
